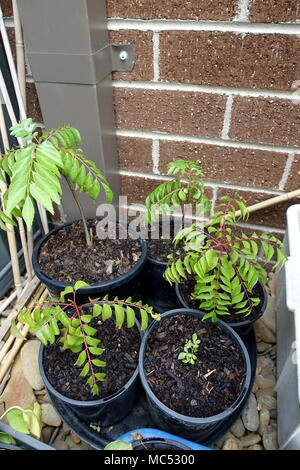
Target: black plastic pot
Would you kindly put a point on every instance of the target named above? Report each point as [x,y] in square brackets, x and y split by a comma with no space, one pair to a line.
[155,290]
[243,327]
[139,418]
[23,441]
[122,286]
[108,410]
[196,429]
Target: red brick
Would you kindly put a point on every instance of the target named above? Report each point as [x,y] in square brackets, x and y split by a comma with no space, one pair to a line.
[33,106]
[227,59]
[6,6]
[170,111]
[266,120]
[274,11]
[173,9]
[228,165]
[293,181]
[143,51]
[274,216]
[137,188]
[135,154]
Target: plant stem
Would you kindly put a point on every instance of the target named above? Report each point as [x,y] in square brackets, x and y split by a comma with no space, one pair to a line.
[86,232]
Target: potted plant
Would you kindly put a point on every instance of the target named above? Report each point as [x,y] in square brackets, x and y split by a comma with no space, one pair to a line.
[185,188]
[88,345]
[196,373]
[218,270]
[72,251]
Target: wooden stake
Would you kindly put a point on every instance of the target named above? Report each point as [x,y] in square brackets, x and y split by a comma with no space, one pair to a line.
[20,52]
[271,202]
[17,344]
[27,292]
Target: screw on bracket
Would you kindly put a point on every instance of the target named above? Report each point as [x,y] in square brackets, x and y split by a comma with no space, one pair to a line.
[123,55]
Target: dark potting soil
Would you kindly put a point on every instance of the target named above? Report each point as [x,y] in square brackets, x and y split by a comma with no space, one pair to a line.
[160,249]
[66,257]
[205,389]
[121,356]
[187,287]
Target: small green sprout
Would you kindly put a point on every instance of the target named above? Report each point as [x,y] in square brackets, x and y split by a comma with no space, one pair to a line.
[188,355]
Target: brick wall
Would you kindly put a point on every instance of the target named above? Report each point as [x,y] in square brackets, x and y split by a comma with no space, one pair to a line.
[213,81]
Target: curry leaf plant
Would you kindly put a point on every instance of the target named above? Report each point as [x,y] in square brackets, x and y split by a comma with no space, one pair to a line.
[186,187]
[188,355]
[71,323]
[225,266]
[35,169]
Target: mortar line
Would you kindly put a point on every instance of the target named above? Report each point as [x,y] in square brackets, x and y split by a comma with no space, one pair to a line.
[238,27]
[243,10]
[264,228]
[211,184]
[227,118]
[286,171]
[213,200]
[156,56]
[155,156]
[204,140]
[221,90]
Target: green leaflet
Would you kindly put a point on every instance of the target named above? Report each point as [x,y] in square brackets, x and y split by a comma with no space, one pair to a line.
[106,312]
[120,315]
[42,197]
[130,315]
[28,212]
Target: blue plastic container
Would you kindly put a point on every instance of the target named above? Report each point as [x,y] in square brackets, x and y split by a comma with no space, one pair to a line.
[156,436]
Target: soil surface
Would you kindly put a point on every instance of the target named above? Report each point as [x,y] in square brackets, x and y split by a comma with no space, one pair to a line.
[201,390]
[121,356]
[187,287]
[66,257]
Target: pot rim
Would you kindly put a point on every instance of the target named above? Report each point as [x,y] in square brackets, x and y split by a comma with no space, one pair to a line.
[166,409]
[111,283]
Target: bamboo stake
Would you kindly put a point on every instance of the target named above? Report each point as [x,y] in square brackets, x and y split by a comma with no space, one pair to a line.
[21,71]
[8,301]
[21,68]
[12,70]
[9,341]
[267,203]
[271,202]
[17,345]
[11,237]
[28,291]
[19,220]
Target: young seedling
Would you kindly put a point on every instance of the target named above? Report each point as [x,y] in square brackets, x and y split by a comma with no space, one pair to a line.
[188,355]
[224,265]
[70,322]
[186,187]
[36,168]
